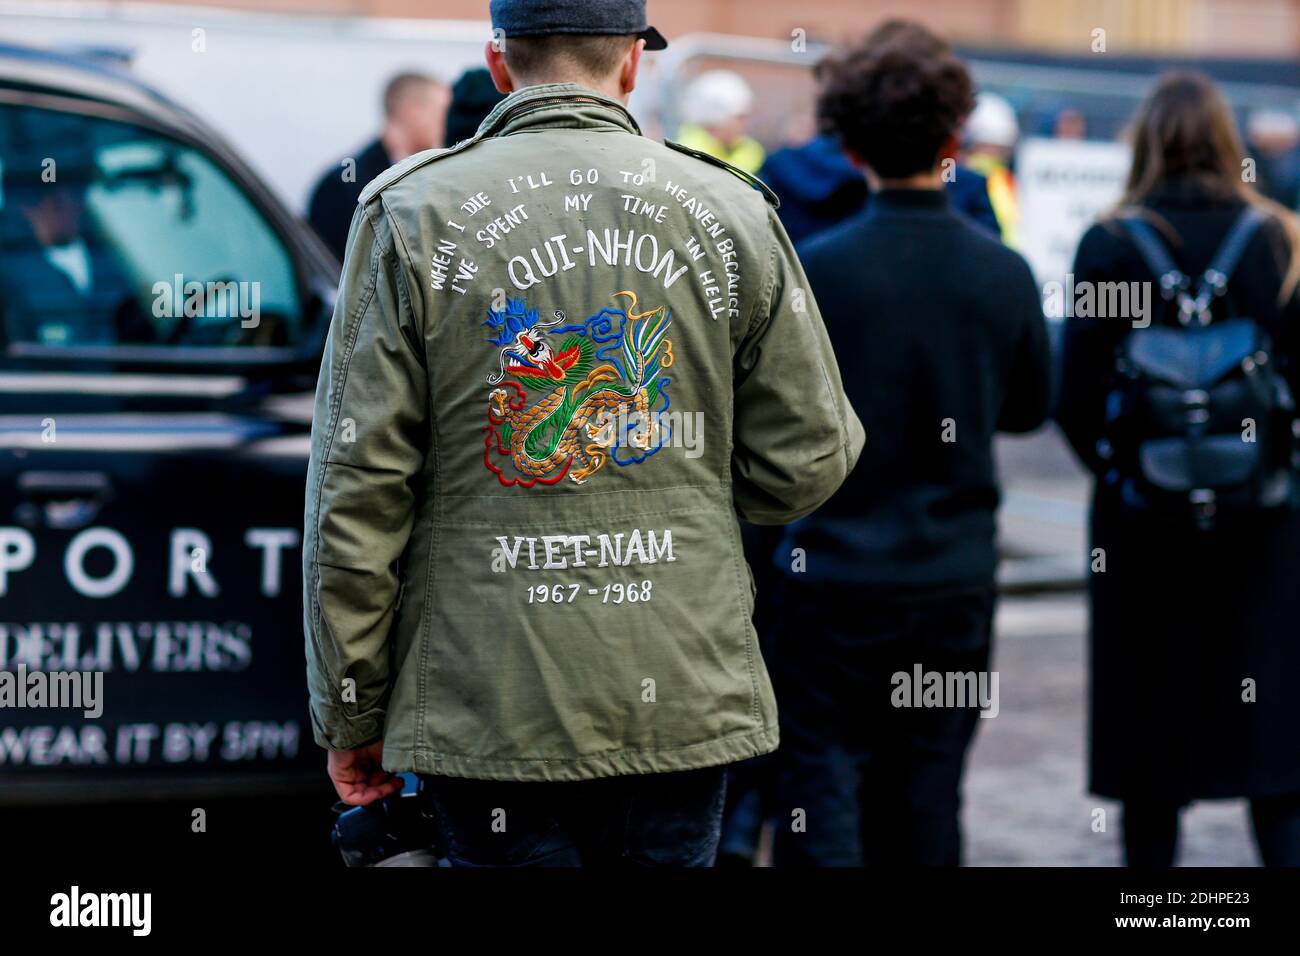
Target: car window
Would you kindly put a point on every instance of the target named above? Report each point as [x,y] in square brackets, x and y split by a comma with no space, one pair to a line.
[113,234]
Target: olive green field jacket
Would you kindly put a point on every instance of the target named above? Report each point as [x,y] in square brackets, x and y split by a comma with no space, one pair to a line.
[563,359]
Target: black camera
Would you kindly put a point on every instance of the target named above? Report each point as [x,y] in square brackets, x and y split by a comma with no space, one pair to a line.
[395,831]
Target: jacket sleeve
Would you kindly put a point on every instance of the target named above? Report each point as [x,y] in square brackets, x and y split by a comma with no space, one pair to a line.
[795,436]
[1028,398]
[368,442]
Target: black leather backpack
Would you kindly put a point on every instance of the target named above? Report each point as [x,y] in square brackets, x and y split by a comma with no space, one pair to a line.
[1201,422]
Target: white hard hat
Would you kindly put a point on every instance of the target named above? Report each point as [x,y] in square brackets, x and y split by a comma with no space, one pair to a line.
[992,122]
[716,96]
[1272,124]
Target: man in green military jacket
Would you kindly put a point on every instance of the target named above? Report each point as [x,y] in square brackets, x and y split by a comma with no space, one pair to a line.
[564,358]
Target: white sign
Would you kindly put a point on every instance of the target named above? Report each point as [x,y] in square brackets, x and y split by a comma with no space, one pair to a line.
[1062,186]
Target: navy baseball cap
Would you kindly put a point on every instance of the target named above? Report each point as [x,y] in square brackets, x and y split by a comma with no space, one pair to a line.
[533,18]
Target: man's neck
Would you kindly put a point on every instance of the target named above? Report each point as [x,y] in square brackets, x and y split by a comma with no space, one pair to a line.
[609,89]
[932,179]
[396,143]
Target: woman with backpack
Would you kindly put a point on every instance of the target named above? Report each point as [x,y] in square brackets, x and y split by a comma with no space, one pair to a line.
[1187,426]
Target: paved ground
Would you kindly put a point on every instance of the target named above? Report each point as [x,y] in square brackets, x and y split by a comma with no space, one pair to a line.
[1025,797]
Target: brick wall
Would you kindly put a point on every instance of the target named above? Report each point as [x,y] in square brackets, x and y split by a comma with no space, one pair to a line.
[1264,27]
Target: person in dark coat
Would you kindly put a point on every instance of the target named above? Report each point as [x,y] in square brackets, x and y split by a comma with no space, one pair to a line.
[415,114]
[473,96]
[819,188]
[62,282]
[817,185]
[940,333]
[1195,634]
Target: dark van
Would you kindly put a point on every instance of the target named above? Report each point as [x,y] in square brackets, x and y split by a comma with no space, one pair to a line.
[161,321]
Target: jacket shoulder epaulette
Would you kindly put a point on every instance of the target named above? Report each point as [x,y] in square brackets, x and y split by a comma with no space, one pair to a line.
[753,180]
[409,165]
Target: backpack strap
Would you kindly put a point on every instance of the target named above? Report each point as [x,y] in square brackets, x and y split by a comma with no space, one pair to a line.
[1156,256]
[1214,281]
[1231,250]
[1174,285]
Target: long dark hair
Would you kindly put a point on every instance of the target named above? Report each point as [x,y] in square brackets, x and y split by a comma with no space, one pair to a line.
[1184,128]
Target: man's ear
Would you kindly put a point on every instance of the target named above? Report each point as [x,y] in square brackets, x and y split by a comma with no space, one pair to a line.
[949,149]
[631,63]
[496,64]
[860,164]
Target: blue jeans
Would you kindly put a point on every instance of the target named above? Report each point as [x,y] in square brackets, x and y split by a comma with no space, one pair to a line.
[657,819]
[877,784]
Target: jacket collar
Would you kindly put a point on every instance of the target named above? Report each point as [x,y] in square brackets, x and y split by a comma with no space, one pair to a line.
[556,105]
[909,200]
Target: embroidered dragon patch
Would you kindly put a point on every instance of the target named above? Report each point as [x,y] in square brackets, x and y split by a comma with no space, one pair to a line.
[565,398]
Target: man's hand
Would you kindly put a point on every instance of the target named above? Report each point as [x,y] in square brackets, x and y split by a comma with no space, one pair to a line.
[359,777]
